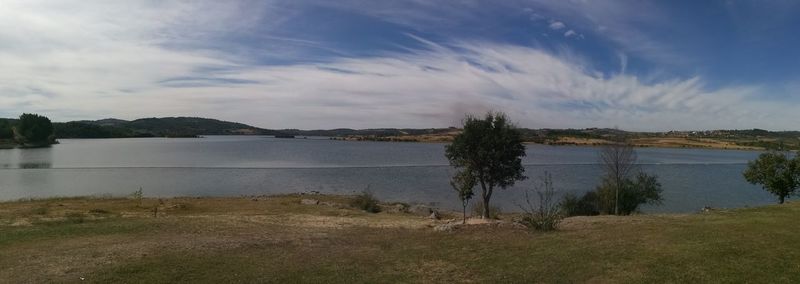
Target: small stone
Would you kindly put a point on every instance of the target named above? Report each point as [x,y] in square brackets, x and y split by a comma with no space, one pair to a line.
[420,210]
[398,208]
[448,227]
[309,201]
[434,215]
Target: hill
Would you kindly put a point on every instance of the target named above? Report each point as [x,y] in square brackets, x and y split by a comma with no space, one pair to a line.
[155,127]
[752,139]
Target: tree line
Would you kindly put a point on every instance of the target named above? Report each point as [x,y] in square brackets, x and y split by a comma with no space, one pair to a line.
[30,130]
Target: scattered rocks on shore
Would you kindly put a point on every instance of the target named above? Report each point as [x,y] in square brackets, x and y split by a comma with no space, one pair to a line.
[306,201]
[421,210]
[397,208]
[446,227]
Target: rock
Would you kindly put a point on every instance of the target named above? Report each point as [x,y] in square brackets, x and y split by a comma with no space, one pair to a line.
[434,215]
[420,210]
[448,227]
[397,208]
[332,204]
[309,201]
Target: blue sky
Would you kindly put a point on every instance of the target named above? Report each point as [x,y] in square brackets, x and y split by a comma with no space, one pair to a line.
[637,65]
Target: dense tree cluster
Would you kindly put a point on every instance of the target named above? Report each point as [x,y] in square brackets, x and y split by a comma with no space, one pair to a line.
[6,132]
[34,130]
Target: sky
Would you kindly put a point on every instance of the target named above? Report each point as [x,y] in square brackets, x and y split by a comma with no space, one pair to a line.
[634,65]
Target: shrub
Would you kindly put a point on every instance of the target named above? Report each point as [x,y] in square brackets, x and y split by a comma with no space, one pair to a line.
[643,189]
[366,201]
[40,211]
[477,210]
[75,217]
[571,205]
[546,215]
[99,211]
[137,196]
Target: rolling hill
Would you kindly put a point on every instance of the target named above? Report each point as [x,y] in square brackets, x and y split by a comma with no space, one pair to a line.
[155,127]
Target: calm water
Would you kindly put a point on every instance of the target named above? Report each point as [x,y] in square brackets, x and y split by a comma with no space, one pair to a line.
[410,172]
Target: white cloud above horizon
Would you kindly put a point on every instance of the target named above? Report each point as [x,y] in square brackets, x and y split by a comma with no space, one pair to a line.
[96,61]
[556,25]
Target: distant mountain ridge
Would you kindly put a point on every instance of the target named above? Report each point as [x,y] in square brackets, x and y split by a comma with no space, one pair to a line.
[155,127]
[753,139]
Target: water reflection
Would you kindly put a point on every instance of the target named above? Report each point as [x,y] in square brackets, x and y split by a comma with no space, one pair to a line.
[35,165]
[38,158]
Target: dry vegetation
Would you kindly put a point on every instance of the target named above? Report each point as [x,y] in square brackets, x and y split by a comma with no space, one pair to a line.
[277,239]
[662,142]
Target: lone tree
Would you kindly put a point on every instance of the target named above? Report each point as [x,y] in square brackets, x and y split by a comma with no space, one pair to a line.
[618,159]
[776,173]
[488,150]
[463,183]
[34,129]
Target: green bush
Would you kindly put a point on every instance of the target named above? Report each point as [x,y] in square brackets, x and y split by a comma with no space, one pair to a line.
[138,196]
[546,215]
[366,201]
[643,189]
[571,205]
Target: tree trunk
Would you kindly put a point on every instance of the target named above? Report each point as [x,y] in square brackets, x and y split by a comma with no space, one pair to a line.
[781,198]
[486,194]
[485,207]
[616,198]
[464,210]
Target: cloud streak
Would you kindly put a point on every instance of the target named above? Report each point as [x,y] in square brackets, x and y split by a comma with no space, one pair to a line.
[105,61]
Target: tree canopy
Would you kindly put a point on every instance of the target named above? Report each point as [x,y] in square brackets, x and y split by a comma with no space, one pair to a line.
[34,129]
[463,183]
[490,150]
[631,193]
[777,173]
[5,129]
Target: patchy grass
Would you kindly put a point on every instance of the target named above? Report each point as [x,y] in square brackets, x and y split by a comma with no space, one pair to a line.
[276,239]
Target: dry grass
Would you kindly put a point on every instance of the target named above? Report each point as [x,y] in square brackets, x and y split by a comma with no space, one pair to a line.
[678,142]
[276,239]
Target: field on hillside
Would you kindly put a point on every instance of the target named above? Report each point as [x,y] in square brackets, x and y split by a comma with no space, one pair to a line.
[278,239]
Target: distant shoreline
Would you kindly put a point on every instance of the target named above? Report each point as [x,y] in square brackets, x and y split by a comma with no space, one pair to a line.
[671,143]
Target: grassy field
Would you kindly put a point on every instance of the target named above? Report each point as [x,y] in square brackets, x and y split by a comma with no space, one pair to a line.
[277,239]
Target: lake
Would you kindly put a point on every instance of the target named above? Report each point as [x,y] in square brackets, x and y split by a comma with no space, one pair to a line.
[407,172]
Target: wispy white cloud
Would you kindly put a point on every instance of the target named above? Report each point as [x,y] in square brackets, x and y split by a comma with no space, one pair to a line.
[132,60]
[622,22]
[556,25]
